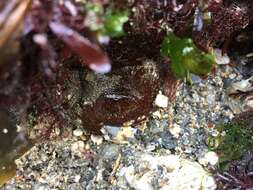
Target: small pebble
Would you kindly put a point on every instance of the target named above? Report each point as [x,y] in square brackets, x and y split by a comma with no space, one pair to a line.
[77,178]
[175,130]
[196,79]
[161,101]
[220,58]
[232,76]
[157,114]
[98,140]
[209,158]
[77,146]
[57,131]
[78,132]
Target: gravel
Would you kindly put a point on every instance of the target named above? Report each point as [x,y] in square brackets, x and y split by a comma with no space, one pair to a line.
[166,151]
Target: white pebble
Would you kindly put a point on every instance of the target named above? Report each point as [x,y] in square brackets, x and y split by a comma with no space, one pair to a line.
[98,140]
[161,101]
[209,158]
[221,59]
[77,132]
[157,114]
[175,130]
[77,178]
[77,146]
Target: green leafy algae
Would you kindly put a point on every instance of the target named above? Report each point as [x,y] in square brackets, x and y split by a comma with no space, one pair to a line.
[185,57]
[114,24]
[107,22]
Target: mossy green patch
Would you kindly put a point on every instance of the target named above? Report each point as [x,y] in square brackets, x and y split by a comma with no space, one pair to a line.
[233,140]
[114,24]
[185,57]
